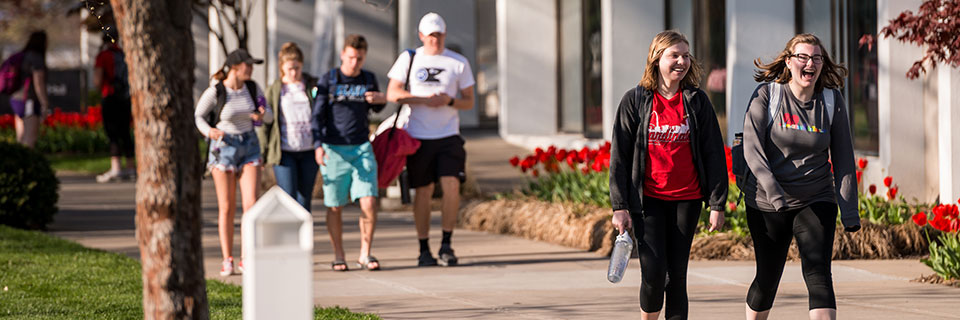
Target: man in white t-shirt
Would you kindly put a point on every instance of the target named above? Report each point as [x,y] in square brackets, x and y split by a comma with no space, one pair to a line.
[435,78]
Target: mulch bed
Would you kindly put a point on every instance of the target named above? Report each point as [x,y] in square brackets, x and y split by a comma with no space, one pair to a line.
[936,279]
[589,228]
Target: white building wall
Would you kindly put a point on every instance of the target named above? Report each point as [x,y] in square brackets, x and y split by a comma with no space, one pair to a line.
[527,57]
[755,29]
[627,28]
[948,108]
[900,105]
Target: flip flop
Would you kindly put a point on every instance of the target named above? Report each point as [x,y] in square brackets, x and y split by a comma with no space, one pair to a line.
[337,263]
[365,262]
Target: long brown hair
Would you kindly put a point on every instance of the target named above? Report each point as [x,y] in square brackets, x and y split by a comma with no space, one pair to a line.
[222,73]
[289,52]
[660,43]
[831,73]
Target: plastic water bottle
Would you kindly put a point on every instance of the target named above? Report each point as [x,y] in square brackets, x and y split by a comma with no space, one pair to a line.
[622,249]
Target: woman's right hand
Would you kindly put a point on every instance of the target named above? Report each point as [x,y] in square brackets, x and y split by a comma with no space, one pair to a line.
[215,134]
[621,220]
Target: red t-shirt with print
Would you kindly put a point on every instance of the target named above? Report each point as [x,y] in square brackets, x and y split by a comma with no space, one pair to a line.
[670,174]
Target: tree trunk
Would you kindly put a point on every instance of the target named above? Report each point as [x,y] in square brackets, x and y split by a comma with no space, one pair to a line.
[159,49]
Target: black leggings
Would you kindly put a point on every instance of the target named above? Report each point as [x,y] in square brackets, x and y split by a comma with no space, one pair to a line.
[116,122]
[668,229]
[772,232]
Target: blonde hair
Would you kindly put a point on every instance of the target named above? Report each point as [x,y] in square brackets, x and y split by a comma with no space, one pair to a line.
[831,74]
[660,43]
[289,52]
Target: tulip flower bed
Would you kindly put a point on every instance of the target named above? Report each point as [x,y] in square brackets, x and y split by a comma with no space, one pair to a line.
[65,132]
[944,256]
[567,202]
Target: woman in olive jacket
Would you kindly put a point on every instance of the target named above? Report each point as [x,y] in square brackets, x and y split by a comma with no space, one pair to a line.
[289,140]
[667,159]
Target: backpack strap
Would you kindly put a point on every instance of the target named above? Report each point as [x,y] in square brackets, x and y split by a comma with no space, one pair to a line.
[829,103]
[221,101]
[776,93]
[252,89]
[406,87]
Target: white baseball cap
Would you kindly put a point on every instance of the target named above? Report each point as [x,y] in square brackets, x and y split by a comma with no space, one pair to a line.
[431,23]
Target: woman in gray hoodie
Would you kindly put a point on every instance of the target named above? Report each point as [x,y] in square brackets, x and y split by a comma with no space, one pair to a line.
[795,126]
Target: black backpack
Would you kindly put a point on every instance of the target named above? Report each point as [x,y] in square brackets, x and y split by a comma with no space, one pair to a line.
[119,82]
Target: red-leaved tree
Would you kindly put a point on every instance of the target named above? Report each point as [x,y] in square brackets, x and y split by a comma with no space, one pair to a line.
[935,27]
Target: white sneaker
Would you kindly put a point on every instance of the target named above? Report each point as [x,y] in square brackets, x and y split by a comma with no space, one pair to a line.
[227,268]
[109,176]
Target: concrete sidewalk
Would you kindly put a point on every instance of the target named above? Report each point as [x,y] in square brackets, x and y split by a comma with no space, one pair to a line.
[504,277]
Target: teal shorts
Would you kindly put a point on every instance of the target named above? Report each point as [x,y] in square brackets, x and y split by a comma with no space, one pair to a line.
[350,170]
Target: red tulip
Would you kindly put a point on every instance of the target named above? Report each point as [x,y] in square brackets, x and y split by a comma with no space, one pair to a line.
[892,193]
[544,157]
[583,155]
[536,173]
[572,160]
[514,161]
[888,181]
[537,151]
[862,163]
[873,189]
[731,206]
[859,174]
[561,154]
[920,218]
[585,170]
[597,166]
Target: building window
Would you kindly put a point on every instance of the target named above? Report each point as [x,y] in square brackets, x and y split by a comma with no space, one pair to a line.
[592,71]
[862,82]
[710,48]
[570,66]
[840,25]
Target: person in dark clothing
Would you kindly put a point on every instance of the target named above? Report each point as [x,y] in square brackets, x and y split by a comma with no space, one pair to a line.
[341,129]
[795,126]
[110,76]
[661,176]
[30,101]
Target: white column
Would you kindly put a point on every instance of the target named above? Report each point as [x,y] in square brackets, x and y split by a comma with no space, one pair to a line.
[755,29]
[527,59]
[257,41]
[270,60]
[327,27]
[627,27]
[949,132]
[899,105]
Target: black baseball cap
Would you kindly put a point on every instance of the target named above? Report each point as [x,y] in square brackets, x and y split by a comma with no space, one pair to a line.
[240,55]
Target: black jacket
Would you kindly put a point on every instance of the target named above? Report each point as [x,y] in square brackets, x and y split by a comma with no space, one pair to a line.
[628,152]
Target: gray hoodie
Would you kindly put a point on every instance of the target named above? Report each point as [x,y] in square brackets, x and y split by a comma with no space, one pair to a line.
[790,158]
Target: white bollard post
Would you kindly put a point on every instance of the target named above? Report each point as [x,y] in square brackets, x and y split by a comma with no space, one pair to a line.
[278,252]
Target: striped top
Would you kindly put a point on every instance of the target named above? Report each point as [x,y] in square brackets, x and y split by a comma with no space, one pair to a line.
[235,118]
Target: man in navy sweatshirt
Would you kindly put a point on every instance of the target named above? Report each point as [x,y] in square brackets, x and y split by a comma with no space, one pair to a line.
[341,131]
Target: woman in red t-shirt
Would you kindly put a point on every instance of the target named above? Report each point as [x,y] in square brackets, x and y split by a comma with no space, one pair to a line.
[661,176]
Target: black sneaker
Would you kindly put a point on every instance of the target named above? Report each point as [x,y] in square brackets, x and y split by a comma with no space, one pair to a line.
[426,259]
[447,259]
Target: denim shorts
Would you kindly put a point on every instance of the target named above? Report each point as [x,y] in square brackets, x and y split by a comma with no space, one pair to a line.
[234,151]
[350,173]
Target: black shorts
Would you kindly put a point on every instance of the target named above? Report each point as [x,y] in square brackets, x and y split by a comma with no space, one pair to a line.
[437,158]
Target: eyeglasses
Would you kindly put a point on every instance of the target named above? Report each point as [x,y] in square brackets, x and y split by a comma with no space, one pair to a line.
[803,58]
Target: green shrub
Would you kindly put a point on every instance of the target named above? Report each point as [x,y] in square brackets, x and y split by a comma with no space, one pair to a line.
[64,139]
[28,188]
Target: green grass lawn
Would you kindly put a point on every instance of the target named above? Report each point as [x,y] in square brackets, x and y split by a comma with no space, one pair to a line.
[81,163]
[44,277]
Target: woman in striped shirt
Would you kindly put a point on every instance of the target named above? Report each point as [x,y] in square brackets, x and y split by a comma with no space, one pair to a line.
[237,104]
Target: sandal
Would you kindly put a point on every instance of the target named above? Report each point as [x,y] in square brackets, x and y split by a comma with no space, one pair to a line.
[338,263]
[364,263]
